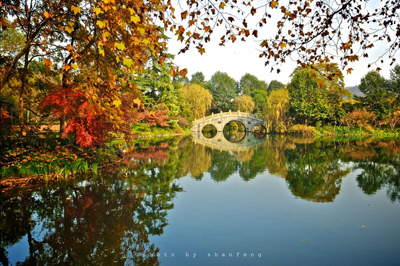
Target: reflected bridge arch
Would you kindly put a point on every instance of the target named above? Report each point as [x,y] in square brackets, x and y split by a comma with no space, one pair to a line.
[219,142]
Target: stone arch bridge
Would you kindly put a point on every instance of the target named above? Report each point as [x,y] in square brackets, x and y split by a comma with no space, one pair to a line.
[220,120]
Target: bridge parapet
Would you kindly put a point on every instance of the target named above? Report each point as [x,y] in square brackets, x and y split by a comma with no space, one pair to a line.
[221,119]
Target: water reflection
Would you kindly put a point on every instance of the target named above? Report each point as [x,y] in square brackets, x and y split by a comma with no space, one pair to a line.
[109,219]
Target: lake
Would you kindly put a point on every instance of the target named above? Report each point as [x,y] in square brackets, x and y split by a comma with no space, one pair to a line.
[226,200]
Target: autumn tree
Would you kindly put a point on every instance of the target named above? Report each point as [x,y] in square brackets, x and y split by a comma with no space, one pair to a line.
[197,98]
[223,89]
[307,32]
[243,103]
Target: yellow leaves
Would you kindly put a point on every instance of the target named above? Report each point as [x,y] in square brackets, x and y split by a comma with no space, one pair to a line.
[48,64]
[146,41]
[233,37]
[132,11]
[273,4]
[222,5]
[349,70]
[137,102]
[69,29]
[46,14]
[97,10]
[120,46]
[117,103]
[135,19]
[128,62]
[70,48]
[101,51]
[75,9]
[101,24]
[141,30]
[105,35]
[75,66]
[282,45]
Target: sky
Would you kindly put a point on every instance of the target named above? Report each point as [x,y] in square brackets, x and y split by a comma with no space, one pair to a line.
[239,58]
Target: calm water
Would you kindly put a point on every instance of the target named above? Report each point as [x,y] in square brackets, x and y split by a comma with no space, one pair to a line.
[271,201]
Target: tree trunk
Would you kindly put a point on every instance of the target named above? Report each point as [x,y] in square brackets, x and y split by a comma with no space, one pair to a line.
[22,91]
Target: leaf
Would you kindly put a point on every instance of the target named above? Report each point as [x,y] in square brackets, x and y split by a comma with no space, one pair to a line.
[128,62]
[75,66]
[120,46]
[97,10]
[70,48]
[253,11]
[48,64]
[273,4]
[282,45]
[320,83]
[66,67]
[117,103]
[137,102]
[76,9]
[183,72]
[349,70]
[69,29]
[141,30]
[135,19]
[101,24]
[184,15]
[101,51]
[46,14]
[4,23]
[353,58]
[222,5]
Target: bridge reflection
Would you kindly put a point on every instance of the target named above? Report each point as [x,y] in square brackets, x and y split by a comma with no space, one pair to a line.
[229,142]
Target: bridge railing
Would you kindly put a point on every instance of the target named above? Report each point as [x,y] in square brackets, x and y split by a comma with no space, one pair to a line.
[230,113]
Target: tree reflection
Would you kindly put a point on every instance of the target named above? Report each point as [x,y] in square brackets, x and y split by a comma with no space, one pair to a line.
[92,222]
[315,171]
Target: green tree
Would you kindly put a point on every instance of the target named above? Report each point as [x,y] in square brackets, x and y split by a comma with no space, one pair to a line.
[275,85]
[309,101]
[243,103]
[223,89]
[378,97]
[394,84]
[198,78]
[257,89]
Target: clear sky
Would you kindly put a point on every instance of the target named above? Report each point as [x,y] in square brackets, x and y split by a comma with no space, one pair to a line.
[239,58]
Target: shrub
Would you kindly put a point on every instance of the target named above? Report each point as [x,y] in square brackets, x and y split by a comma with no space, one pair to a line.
[302,130]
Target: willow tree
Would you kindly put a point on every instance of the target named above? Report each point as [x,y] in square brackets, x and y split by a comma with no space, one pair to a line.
[243,103]
[197,98]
